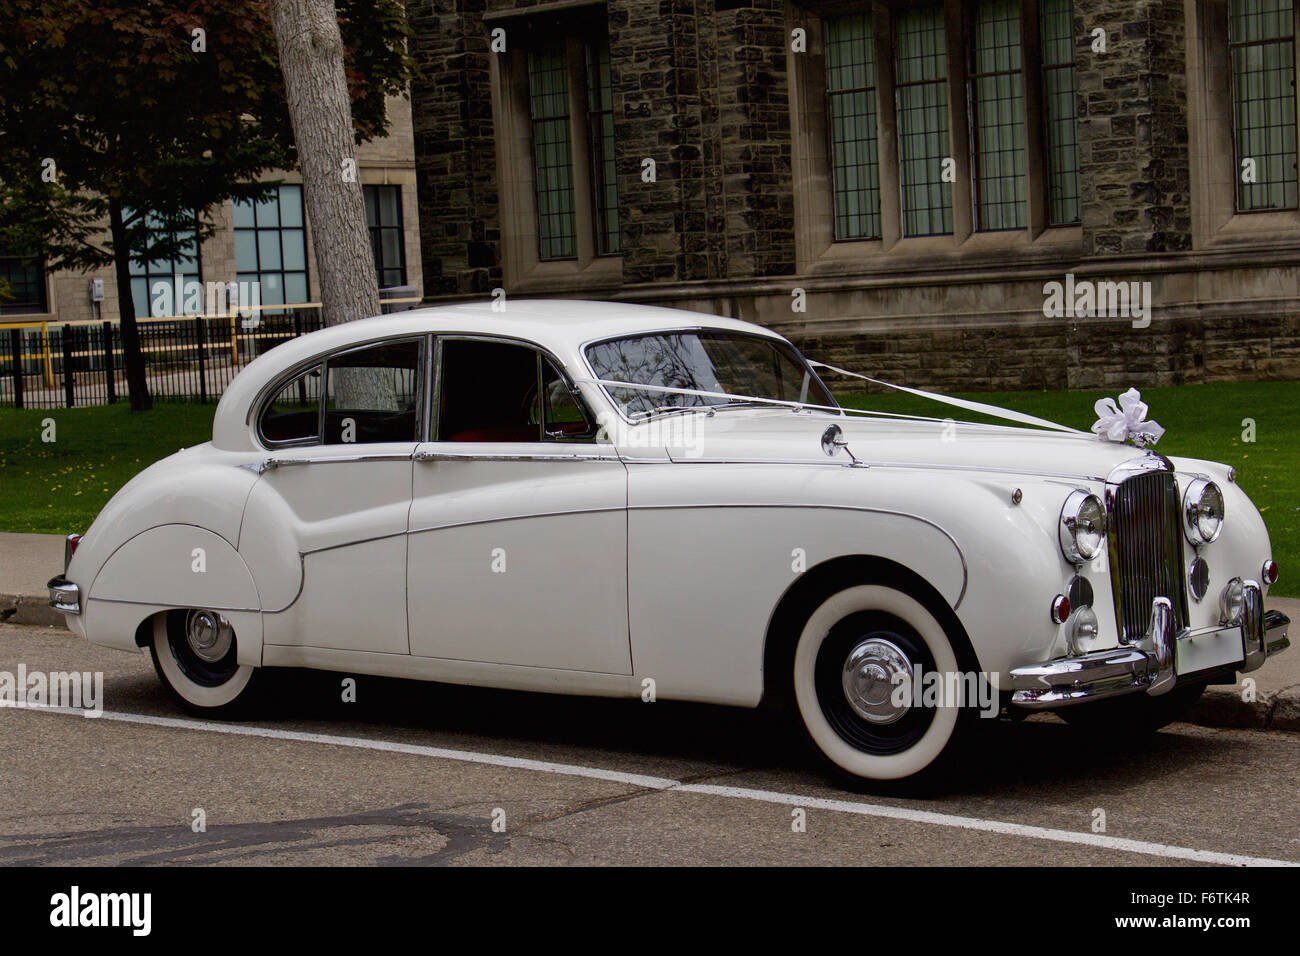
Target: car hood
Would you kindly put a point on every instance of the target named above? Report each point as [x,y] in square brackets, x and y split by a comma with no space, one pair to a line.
[757,434]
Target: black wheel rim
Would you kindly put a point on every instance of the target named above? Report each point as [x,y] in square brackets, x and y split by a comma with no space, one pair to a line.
[872,738]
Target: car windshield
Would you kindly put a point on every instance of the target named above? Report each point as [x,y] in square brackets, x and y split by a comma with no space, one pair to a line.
[731,363]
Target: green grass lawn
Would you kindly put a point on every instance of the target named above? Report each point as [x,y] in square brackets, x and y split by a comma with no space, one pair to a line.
[59,486]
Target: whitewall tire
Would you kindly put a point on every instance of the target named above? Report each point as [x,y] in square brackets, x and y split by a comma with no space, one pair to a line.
[846,660]
[194,654]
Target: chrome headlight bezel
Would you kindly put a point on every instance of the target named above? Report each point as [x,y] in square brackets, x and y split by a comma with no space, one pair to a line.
[1196,513]
[1081,514]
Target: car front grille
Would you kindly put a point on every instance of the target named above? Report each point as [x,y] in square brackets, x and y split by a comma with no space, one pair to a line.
[1146,549]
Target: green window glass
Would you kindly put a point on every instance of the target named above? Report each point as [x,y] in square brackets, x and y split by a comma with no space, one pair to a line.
[1060,111]
[154,277]
[998,110]
[387,239]
[921,91]
[271,247]
[1261,37]
[548,92]
[851,117]
[600,133]
[25,278]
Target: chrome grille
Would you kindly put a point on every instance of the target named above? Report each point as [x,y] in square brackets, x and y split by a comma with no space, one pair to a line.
[1146,550]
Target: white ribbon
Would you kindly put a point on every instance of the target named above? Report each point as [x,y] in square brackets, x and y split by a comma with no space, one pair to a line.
[993,411]
[1127,422]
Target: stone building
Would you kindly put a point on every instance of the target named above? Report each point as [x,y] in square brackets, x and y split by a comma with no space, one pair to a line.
[269,243]
[958,194]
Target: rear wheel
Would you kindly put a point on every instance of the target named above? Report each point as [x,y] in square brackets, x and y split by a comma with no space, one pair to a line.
[194,653]
[859,677]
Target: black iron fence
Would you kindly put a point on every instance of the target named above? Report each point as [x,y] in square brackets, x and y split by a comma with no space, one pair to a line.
[190,358]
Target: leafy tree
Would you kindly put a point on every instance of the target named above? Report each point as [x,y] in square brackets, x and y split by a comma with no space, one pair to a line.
[117,111]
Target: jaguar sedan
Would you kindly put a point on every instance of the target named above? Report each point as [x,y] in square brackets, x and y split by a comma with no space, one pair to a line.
[628,501]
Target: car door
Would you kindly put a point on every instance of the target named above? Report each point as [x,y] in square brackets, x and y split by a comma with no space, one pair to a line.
[518,526]
[342,434]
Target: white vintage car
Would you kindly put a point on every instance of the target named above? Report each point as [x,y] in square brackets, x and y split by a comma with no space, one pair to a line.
[627,501]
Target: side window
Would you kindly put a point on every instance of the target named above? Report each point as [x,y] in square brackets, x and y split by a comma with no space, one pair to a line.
[502,392]
[372,394]
[293,415]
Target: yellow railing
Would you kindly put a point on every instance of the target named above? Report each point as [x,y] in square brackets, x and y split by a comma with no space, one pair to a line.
[47,366]
[236,325]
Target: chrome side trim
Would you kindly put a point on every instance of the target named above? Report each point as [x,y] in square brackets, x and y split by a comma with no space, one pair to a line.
[469,456]
[271,463]
[965,574]
[918,465]
[206,607]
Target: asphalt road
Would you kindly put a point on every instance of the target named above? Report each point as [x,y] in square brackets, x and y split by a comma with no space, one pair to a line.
[415,774]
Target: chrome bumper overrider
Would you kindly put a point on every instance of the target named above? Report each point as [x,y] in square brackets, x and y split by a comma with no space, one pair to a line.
[1149,664]
[64,595]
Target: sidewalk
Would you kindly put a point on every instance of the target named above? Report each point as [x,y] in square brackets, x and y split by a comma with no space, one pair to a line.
[27,561]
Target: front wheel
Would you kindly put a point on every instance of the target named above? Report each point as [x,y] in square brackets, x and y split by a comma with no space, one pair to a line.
[861,686]
[194,653]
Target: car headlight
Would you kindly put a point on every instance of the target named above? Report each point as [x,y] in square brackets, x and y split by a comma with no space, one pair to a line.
[1202,511]
[1083,527]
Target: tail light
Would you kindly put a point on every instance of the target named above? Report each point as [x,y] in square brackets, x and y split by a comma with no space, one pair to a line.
[69,549]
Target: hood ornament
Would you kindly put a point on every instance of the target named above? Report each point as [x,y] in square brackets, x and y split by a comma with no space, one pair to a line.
[1126,422]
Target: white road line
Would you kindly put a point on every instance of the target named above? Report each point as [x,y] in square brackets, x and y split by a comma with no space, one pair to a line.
[882,811]
[362,743]
[987,826]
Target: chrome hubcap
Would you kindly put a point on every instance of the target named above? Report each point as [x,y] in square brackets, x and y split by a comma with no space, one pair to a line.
[872,673]
[209,635]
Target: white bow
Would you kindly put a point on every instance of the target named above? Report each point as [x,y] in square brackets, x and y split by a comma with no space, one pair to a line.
[1127,422]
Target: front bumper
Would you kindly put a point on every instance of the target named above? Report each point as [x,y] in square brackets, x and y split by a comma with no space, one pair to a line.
[64,595]
[1148,665]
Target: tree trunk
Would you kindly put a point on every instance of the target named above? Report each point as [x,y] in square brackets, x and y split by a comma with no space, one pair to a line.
[311,58]
[132,359]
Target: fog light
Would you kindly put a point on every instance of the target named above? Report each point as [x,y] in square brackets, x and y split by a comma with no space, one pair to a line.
[1230,602]
[1269,571]
[1083,632]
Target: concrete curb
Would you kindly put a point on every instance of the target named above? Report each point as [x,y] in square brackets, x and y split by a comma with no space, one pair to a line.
[1224,707]
[28,609]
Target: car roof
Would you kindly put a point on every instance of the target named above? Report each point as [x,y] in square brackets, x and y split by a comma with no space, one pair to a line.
[560,326]
[567,322]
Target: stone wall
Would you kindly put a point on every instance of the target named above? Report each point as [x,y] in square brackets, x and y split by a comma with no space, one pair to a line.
[703,87]
[1136,192]
[451,106]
